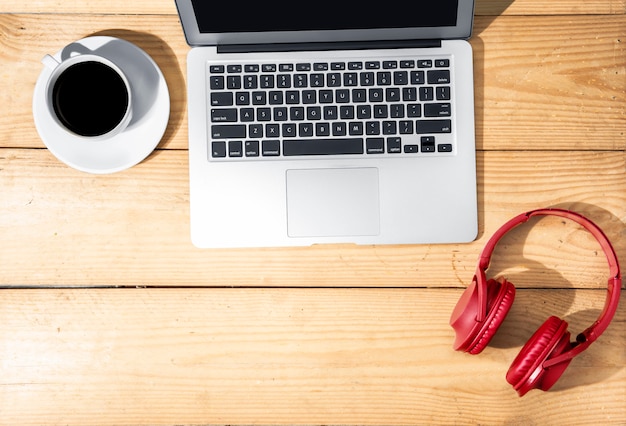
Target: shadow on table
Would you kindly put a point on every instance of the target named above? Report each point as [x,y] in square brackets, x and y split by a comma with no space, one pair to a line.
[511,334]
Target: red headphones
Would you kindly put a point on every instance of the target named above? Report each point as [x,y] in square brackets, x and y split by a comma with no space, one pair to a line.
[485,303]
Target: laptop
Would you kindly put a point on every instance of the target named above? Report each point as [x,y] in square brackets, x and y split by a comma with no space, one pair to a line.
[327,123]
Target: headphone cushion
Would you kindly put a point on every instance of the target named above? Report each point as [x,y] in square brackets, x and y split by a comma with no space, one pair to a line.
[523,374]
[500,299]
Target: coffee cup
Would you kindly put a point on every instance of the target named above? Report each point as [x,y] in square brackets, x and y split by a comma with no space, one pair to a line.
[88,96]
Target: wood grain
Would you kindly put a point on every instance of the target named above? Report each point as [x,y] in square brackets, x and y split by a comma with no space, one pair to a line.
[554,72]
[110,316]
[160,7]
[132,228]
[90,357]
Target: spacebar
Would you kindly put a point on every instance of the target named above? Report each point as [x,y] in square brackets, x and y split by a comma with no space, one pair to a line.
[322,146]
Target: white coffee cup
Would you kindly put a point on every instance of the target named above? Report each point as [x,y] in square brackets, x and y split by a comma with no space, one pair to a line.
[88,96]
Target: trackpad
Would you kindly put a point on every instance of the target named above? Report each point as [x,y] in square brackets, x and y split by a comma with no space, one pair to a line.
[333,202]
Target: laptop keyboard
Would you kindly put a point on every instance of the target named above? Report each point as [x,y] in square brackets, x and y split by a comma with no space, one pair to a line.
[369,108]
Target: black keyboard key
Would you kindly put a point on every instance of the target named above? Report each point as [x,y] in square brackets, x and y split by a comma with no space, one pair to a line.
[305,130]
[218,149]
[414,110]
[317,80]
[283,81]
[443,93]
[270,148]
[276,97]
[216,82]
[322,129]
[383,78]
[226,115]
[442,63]
[247,114]
[339,128]
[376,95]
[375,145]
[264,114]
[333,79]
[272,130]
[427,94]
[439,77]
[255,130]
[372,128]
[355,128]
[235,149]
[242,98]
[367,79]
[233,82]
[228,131]
[400,78]
[437,110]
[406,127]
[267,81]
[252,148]
[350,79]
[394,145]
[300,80]
[381,111]
[323,146]
[418,77]
[390,127]
[359,95]
[342,96]
[433,126]
[259,98]
[289,130]
[250,81]
[314,113]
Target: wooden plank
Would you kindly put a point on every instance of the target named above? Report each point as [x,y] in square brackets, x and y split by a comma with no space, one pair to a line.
[65,227]
[27,38]
[538,7]
[554,72]
[483,7]
[321,356]
[550,83]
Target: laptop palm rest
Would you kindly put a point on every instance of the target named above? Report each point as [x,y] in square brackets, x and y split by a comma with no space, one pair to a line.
[333,202]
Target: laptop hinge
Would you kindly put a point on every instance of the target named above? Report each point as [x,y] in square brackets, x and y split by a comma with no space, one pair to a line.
[340,45]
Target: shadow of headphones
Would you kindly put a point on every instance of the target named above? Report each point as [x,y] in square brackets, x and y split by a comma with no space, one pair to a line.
[485,303]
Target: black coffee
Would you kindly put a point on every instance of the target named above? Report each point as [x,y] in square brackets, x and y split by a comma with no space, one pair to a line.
[90,98]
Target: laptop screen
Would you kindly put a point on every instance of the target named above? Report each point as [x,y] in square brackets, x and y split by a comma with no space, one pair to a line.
[208,23]
[283,15]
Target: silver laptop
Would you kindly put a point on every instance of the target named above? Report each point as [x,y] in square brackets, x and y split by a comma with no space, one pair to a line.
[320,123]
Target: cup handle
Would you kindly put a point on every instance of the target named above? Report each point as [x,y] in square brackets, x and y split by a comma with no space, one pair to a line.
[50,62]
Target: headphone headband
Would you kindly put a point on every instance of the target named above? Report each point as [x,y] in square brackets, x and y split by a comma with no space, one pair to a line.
[614,283]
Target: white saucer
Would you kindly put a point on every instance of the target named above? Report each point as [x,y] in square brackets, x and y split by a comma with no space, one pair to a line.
[151,110]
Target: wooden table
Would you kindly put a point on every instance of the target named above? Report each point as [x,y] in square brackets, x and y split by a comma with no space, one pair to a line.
[108,314]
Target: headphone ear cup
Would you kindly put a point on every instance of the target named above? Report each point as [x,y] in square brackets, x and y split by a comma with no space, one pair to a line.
[473,336]
[527,371]
[500,296]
